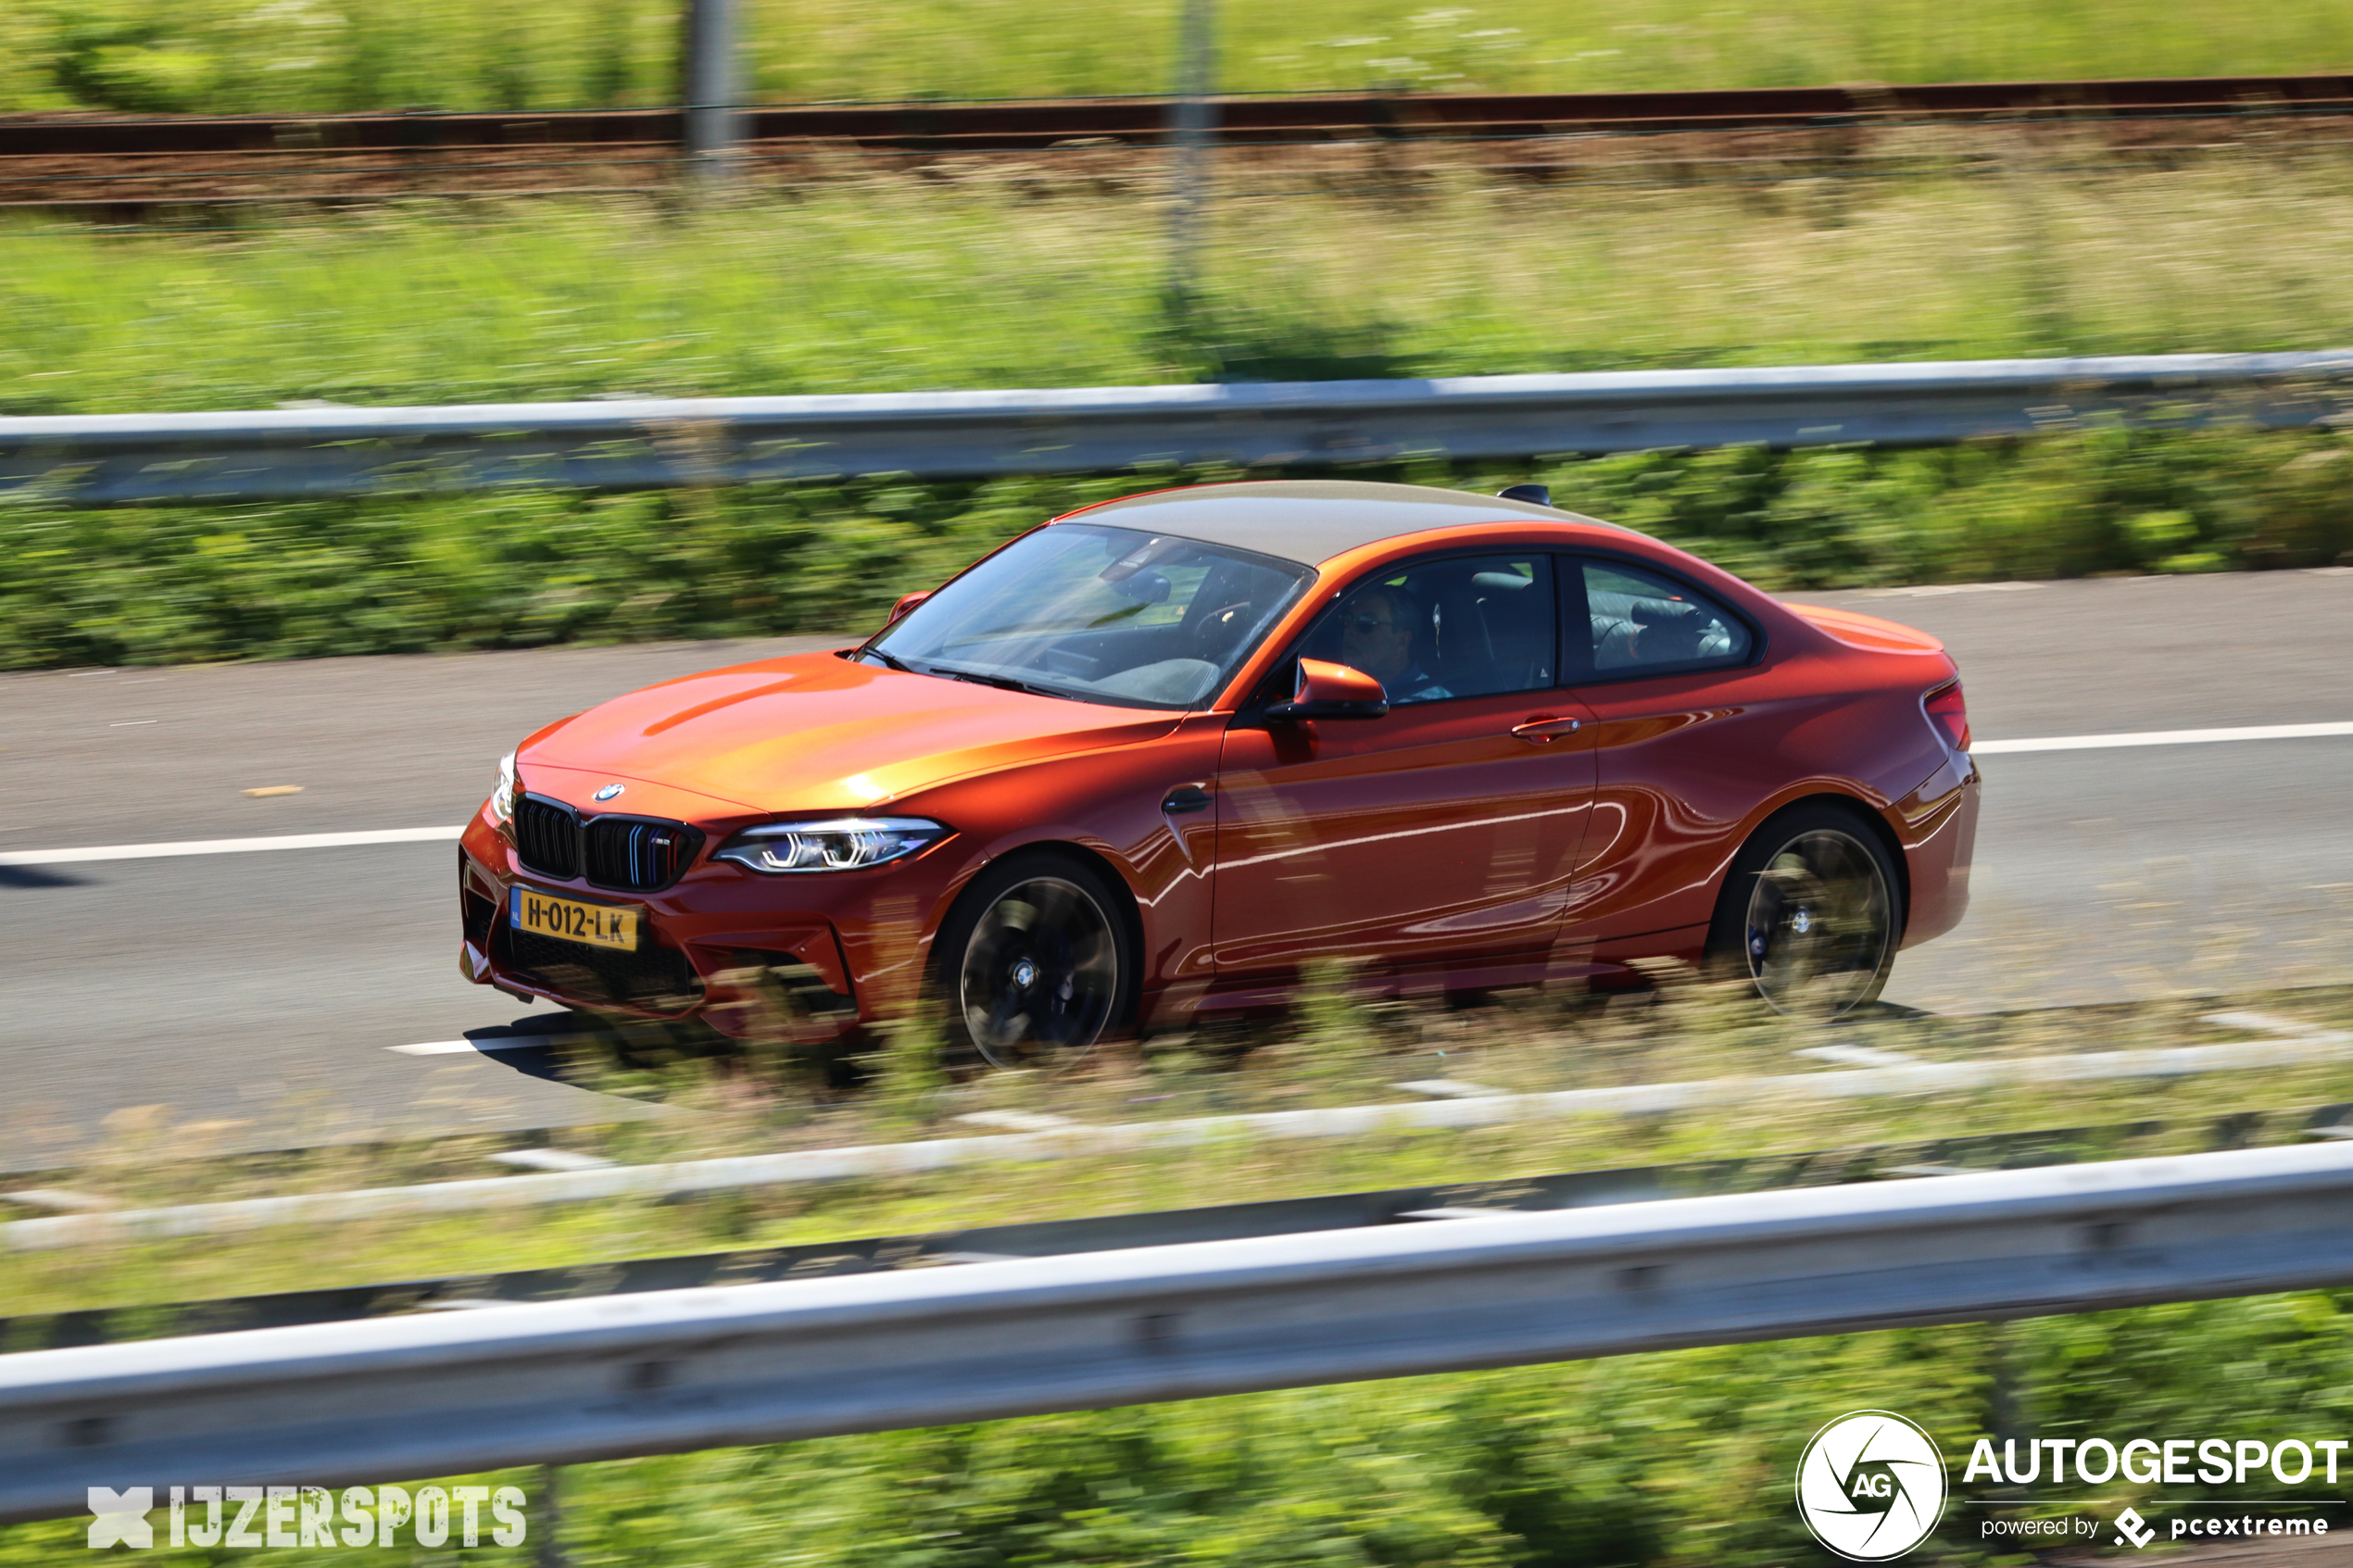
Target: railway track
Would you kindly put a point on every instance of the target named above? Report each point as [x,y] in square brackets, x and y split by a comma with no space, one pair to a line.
[94,162]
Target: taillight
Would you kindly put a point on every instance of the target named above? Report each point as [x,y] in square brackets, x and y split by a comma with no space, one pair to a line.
[1949,713]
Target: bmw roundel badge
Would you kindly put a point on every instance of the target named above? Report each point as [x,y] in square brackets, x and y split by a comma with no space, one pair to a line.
[608,792]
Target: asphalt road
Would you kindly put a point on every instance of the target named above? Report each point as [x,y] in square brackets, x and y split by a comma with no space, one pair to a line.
[235,1002]
[249,1000]
[2143,872]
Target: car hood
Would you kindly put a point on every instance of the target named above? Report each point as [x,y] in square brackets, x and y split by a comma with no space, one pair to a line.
[816,733]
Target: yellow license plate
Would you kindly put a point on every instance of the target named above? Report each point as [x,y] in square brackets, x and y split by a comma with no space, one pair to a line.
[599,925]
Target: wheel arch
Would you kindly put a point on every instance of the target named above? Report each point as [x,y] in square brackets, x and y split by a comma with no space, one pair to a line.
[1129,911]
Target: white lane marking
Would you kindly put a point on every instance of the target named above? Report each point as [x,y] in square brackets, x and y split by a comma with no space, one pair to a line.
[426,835]
[488,1043]
[1446,1088]
[62,1199]
[1018,1120]
[1856,1056]
[2268,1023]
[227,846]
[1938,590]
[2163,737]
[551,1160]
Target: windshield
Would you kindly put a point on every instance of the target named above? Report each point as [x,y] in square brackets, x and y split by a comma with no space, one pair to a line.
[1098,614]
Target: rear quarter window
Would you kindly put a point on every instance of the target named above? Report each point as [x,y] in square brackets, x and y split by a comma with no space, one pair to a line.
[1636,622]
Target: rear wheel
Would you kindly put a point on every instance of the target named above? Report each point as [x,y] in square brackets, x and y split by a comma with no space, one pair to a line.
[1036,964]
[1810,912]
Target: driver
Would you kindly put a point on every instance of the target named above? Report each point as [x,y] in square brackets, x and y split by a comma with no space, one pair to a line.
[1377,636]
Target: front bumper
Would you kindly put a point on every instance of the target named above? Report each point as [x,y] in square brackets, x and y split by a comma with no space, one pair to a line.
[753,957]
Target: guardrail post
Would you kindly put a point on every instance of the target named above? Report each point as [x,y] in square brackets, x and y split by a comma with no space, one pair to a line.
[547,1528]
[1192,126]
[710,80]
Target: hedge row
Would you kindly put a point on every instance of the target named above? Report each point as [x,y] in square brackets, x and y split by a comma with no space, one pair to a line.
[302,579]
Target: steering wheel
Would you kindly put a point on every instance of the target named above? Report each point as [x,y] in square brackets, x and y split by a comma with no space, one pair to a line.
[1214,628]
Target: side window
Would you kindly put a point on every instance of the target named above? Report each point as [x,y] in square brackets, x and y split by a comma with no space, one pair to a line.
[1642,624]
[1453,626]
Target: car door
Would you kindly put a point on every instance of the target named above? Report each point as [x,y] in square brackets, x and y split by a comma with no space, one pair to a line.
[1685,739]
[1446,829]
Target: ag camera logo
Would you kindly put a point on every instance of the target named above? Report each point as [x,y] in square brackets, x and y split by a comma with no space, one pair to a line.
[1871,1485]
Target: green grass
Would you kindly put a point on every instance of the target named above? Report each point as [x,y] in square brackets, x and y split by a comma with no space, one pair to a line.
[903,283]
[1335,1054]
[230,56]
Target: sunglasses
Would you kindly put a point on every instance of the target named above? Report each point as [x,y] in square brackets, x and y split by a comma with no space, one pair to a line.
[1365,623]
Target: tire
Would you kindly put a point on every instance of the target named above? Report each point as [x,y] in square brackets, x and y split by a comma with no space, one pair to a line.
[1036,963]
[1811,912]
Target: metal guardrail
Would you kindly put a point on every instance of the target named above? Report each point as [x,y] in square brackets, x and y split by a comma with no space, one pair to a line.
[655,443]
[673,1370]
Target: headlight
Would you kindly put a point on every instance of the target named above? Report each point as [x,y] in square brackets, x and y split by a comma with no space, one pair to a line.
[838,844]
[502,799]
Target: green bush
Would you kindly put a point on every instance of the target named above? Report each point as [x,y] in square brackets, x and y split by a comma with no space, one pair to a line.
[142,586]
[326,56]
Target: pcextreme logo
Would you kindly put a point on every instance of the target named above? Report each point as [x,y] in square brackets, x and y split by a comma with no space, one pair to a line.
[1871,1485]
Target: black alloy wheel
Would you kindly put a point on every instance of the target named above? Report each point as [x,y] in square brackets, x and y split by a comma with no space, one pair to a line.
[1809,913]
[1037,965]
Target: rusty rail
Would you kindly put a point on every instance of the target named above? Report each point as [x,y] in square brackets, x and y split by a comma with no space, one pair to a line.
[1027,124]
[79,162]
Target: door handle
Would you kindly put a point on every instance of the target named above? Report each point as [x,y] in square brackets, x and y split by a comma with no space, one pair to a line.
[1544,729]
[1184,798]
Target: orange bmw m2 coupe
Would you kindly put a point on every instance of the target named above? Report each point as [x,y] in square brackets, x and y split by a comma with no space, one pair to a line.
[1153,757]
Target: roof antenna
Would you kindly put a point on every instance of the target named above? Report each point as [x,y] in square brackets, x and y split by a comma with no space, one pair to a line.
[1540,493]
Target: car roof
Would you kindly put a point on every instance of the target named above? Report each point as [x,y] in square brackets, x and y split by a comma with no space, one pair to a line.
[1311,520]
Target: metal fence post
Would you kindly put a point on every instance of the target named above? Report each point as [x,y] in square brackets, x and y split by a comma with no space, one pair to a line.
[549,1533]
[710,82]
[1192,126]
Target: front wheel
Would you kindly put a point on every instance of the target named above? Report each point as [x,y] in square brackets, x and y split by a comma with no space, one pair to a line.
[1810,913]
[1036,964]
